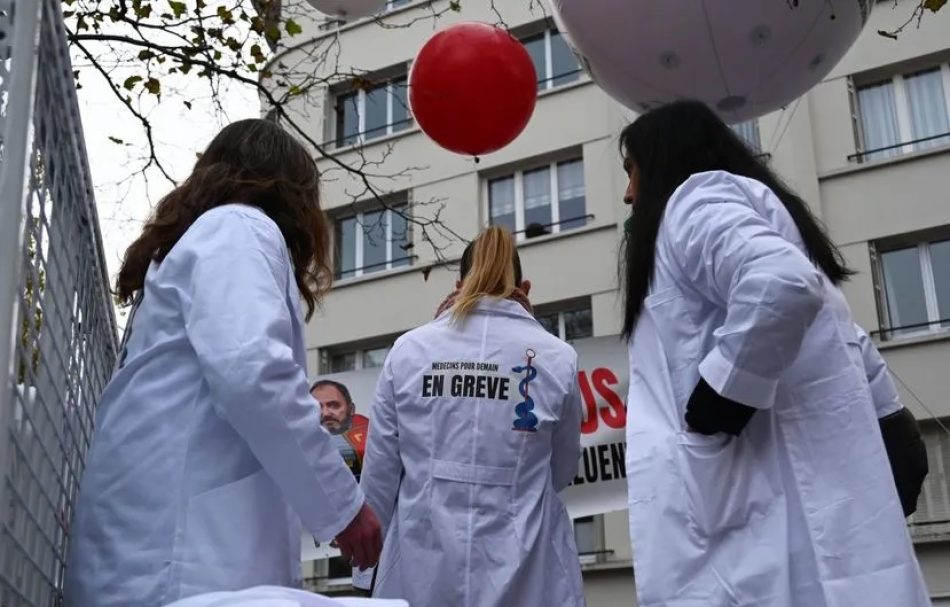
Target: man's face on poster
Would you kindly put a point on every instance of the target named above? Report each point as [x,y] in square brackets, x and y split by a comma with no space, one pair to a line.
[335,413]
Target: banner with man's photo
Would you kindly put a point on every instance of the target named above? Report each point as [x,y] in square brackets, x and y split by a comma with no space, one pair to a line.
[600,484]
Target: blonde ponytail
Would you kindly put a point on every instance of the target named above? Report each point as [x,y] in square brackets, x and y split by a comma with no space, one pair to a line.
[492,271]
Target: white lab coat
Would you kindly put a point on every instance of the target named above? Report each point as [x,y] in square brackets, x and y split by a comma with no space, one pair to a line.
[208,444]
[884,394]
[800,509]
[470,504]
[275,596]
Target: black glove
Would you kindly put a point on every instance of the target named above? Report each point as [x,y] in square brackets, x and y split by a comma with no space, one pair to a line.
[907,454]
[708,412]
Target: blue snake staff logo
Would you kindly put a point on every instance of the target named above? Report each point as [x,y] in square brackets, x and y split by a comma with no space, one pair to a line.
[527,421]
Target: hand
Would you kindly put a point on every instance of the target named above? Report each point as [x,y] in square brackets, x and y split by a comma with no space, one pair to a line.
[522,298]
[361,542]
[709,413]
[447,303]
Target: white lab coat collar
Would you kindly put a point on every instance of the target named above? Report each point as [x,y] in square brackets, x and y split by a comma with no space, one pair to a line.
[494,306]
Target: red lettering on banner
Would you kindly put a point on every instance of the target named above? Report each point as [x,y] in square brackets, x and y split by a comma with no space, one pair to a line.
[614,414]
[589,425]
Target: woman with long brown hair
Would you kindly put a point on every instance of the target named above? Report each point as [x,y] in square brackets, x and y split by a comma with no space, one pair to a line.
[476,427]
[208,450]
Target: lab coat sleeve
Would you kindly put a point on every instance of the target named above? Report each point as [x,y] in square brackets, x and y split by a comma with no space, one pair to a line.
[238,321]
[883,391]
[903,442]
[382,464]
[566,439]
[771,291]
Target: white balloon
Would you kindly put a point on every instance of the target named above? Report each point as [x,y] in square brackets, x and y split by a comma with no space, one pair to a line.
[348,9]
[744,58]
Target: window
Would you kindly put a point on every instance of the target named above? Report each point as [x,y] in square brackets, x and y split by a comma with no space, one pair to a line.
[748,131]
[933,505]
[340,360]
[554,61]
[903,114]
[371,112]
[915,287]
[570,322]
[589,536]
[372,241]
[544,200]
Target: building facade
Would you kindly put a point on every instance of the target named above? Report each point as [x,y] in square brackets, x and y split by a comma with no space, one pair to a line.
[869,148]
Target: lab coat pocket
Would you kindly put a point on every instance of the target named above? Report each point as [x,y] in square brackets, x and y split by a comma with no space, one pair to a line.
[725,484]
[457,486]
[493,490]
[235,536]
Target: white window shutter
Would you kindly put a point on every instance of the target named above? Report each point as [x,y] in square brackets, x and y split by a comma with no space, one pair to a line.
[933,506]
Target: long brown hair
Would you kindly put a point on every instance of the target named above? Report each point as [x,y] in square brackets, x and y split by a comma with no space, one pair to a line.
[257,163]
[490,268]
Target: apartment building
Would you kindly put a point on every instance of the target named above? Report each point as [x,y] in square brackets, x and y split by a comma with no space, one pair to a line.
[869,148]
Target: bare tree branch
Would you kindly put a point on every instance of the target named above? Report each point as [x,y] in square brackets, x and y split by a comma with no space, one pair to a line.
[258,45]
[146,124]
[917,15]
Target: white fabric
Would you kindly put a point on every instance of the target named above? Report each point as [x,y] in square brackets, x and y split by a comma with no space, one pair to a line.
[469,503]
[207,440]
[884,393]
[274,596]
[799,510]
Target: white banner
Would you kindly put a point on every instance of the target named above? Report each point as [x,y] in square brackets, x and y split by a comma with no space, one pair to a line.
[601,482]
[600,485]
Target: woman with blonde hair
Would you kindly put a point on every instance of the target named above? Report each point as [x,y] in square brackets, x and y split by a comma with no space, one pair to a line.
[476,427]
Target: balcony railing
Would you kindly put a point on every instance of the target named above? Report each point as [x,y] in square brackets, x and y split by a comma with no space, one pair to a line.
[560,79]
[369,135]
[915,330]
[542,229]
[374,268]
[597,557]
[862,156]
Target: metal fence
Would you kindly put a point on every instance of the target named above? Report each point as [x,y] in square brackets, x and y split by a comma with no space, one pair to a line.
[57,326]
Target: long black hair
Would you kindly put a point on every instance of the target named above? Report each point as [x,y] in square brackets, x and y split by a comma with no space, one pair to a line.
[669,144]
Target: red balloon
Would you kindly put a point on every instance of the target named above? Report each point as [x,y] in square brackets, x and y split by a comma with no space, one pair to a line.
[472,88]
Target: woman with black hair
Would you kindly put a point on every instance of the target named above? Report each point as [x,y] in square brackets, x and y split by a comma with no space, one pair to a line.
[757,470]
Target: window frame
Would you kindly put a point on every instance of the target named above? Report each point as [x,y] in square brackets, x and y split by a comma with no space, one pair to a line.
[546,80]
[931,430]
[359,270]
[555,202]
[327,355]
[341,96]
[358,347]
[922,244]
[596,521]
[905,144]
[755,146]
[561,309]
